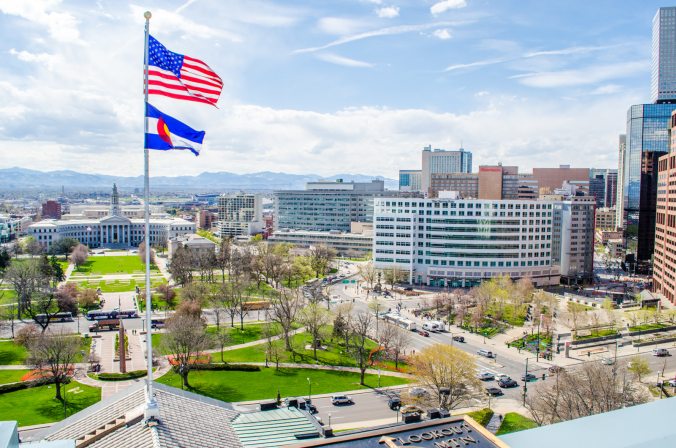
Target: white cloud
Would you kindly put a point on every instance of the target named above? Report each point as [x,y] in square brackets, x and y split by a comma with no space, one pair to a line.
[166,22]
[582,76]
[454,67]
[607,89]
[342,60]
[442,34]
[388,12]
[48,60]
[445,5]
[61,26]
[389,31]
[341,26]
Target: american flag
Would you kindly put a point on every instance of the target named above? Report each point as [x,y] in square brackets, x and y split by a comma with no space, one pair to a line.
[179,76]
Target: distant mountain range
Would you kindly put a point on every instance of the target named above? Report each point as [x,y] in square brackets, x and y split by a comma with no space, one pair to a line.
[25,179]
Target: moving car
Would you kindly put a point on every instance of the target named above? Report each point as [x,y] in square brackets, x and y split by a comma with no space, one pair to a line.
[555,369]
[486,353]
[672,383]
[528,377]
[417,392]
[660,352]
[340,399]
[424,333]
[459,338]
[493,391]
[507,383]
[500,376]
[394,403]
[607,361]
[486,376]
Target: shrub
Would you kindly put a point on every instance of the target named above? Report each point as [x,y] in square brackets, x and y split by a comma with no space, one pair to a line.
[122,376]
[238,367]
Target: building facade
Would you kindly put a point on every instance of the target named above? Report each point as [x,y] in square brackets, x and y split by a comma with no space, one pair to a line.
[498,182]
[113,231]
[574,228]
[442,161]
[240,214]
[12,227]
[326,206]
[663,67]
[51,210]
[605,219]
[466,184]
[459,243]
[549,179]
[357,242]
[603,186]
[410,180]
[619,201]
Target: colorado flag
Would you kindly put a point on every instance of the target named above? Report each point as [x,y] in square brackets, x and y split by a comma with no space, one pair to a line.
[165,132]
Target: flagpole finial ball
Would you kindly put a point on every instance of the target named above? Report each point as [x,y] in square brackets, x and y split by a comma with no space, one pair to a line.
[147,15]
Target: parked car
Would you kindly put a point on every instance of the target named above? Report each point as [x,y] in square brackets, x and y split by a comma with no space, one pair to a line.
[424,333]
[494,391]
[672,383]
[555,369]
[486,353]
[608,361]
[417,392]
[459,338]
[507,383]
[411,409]
[528,377]
[500,376]
[660,352]
[408,288]
[394,403]
[486,376]
[340,399]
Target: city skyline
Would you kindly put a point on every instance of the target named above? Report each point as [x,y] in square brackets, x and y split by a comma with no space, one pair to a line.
[346,83]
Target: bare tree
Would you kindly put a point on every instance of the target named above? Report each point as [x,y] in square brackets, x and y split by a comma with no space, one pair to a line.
[181,266]
[79,255]
[223,337]
[224,255]
[368,273]
[285,307]
[315,318]
[321,257]
[186,339]
[590,389]
[26,279]
[142,253]
[54,356]
[360,328]
[394,340]
[88,298]
[168,294]
[393,276]
[273,351]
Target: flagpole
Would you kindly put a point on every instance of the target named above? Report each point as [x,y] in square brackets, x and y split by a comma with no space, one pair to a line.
[151,409]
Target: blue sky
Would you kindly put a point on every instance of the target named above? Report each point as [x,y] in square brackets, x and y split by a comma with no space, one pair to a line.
[326,86]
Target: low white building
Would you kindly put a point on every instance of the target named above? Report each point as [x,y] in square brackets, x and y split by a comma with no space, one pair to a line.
[194,243]
[114,230]
[357,242]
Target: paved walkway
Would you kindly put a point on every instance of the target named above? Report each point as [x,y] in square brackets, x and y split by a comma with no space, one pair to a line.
[256,342]
[494,423]
[292,365]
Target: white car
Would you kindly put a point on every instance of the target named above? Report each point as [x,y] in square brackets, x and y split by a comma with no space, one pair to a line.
[608,361]
[417,392]
[486,376]
[672,383]
[340,399]
[501,376]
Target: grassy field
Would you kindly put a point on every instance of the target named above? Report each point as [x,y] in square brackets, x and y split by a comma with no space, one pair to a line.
[594,333]
[482,416]
[511,313]
[129,264]
[644,327]
[7,296]
[513,422]
[119,285]
[11,353]
[11,376]
[334,355]
[243,386]
[38,405]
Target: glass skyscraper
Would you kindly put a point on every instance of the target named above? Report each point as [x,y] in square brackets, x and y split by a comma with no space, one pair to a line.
[663,69]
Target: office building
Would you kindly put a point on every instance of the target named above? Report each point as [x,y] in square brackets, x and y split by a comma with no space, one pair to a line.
[663,67]
[458,243]
[13,226]
[549,179]
[206,219]
[356,243]
[410,180]
[574,238]
[113,231]
[619,201]
[527,187]
[51,210]
[603,186]
[465,184]
[498,182]
[664,267]
[442,161]
[605,219]
[326,205]
[240,214]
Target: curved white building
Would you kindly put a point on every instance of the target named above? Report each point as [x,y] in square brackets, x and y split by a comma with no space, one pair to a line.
[457,243]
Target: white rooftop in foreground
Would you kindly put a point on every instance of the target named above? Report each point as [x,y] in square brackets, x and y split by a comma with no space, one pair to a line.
[649,425]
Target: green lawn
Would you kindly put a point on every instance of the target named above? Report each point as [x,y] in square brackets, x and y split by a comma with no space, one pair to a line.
[129,264]
[243,386]
[594,333]
[334,355]
[251,332]
[644,327]
[510,313]
[482,416]
[37,405]
[7,296]
[513,422]
[11,353]
[119,285]
[11,376]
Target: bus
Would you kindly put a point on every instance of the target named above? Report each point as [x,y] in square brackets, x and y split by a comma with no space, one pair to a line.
[127,314]
[402,322]
[58,317]
[100,314]
[256,305]
[158,322]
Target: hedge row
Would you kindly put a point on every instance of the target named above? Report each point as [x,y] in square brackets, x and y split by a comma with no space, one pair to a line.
[13,387]
[122,376]
[238,367]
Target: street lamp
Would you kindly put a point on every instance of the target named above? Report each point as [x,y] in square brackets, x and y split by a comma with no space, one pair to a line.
[329,419]
[309,394]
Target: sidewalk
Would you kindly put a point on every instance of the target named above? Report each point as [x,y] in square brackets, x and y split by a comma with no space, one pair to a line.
[292,365]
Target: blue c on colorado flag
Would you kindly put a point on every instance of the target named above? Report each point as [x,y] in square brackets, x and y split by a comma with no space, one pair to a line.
[165,132]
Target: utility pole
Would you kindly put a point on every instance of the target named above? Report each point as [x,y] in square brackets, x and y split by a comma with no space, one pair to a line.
[525,383]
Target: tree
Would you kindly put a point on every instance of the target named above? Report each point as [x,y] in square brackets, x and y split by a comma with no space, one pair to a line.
[57,271]
[223,337]
[393,276]
[41,308]
[5,260]
[639,367]
[32,246]
[284,309]
[189,308]
[368,273]
[180,267]
[195,292]
[320,257]
[224,255]
[142,253]
[394,340]
[315,318]
[186,338]
[168,294]
[63,246]
[360,328]
[590,389]
[79,255]
[447,373]
[273,352]
[66,298]
[26,279]
[54,356]
[88,298]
